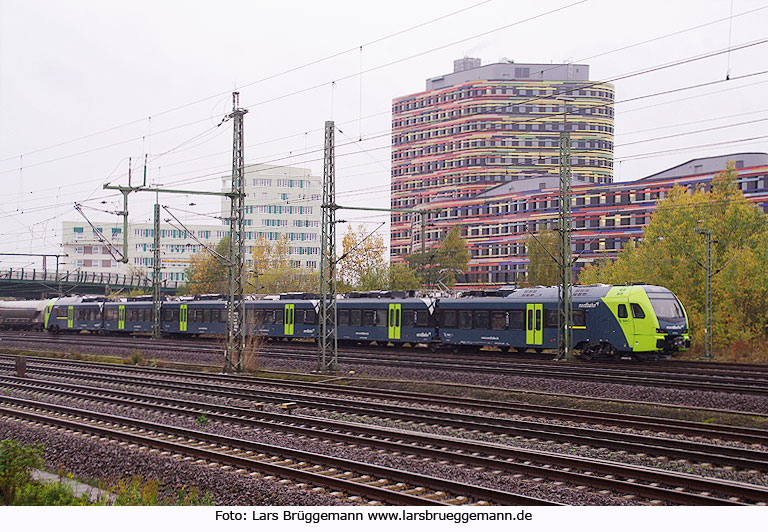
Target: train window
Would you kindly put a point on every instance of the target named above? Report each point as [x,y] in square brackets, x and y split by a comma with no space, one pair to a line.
[216,316]
[81,314]
[130,315]
[448,319]
[550,318]
[175,316]
[381,317]
[637,311]
[344,317]
[623,311]
[167,314]
[530,320]
[408,318]
[298,318]
[422,318]
[310,317]
[465,319]
[498,321]
[207,315]
[538,320]
[579,318]
[355,317]
[481,319]
[368,317]
[278,316]
[515,320]
[667,307]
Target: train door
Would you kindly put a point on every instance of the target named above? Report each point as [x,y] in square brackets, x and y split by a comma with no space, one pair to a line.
[70,317]
[533,323]
[626,322]
[48,310]
[394,320]
[183,318]
[289,315]
[121,317]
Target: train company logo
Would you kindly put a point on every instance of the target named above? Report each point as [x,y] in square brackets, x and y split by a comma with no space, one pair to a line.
[589,305]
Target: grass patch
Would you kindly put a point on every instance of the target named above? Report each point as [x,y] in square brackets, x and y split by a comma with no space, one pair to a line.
[18,488]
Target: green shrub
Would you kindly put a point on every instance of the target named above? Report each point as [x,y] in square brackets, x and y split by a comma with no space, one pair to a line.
[49,494]
[16,464]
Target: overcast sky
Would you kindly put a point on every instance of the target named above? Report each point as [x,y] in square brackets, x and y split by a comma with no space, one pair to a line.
[86,84]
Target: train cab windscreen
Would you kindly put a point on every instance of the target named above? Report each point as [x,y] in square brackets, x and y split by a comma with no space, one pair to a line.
[667,307]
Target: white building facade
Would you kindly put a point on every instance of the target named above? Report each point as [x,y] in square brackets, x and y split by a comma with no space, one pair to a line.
[280,202]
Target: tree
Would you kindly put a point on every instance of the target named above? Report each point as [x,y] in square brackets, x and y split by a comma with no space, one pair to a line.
[401,277]
[440,266]
[672,253]
[206,273]
[362,257]
[543,270]
[273,272]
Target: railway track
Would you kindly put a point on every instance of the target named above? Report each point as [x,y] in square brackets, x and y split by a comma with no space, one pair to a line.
[708,378]
[370,481]
[635,481]
[509,408]
[389,405]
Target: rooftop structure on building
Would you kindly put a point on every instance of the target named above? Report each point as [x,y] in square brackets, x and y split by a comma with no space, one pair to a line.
[483,126]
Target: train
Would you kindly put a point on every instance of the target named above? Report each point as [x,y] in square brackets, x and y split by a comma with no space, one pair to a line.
[638,321]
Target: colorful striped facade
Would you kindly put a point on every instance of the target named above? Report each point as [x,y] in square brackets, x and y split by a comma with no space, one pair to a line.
[466,136]
[606,217]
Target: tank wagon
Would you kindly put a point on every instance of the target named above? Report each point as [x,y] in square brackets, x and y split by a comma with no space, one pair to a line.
[23,315]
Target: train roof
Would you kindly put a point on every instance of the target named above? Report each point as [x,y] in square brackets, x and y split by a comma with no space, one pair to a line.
[581,293]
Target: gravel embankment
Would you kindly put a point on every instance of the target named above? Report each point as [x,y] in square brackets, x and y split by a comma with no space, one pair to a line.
[468,475]
[650,394]
[92,459]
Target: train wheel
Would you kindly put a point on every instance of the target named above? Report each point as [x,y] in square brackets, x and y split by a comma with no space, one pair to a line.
[521,350]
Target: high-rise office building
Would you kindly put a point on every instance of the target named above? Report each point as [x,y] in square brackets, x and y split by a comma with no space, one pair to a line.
[482,127]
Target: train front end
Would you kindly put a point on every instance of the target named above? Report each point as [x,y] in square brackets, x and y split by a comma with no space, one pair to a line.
[652,320]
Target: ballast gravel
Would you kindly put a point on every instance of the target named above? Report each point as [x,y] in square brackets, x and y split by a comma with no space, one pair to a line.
[91,459]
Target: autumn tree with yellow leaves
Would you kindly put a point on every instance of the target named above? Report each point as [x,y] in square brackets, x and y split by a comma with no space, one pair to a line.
[362,265]
[672,253]
[273,273]
[207,273]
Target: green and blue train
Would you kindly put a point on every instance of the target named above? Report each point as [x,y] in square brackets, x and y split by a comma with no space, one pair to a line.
[641,321]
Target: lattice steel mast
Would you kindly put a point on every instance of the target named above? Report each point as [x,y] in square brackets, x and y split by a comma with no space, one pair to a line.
[327,344]
[564,293]
[156,274]
[236,330]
